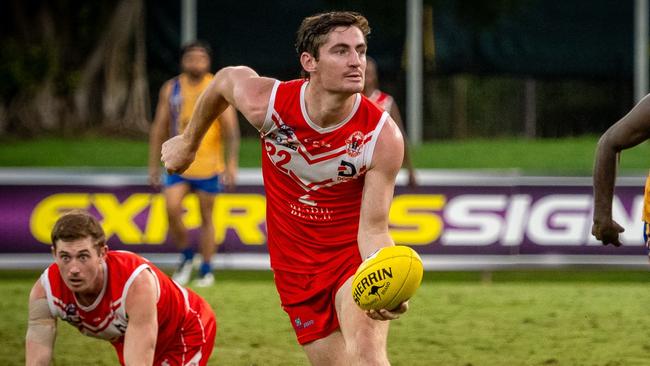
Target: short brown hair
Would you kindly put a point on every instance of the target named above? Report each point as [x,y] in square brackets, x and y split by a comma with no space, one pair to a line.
[313,30]
[78,224]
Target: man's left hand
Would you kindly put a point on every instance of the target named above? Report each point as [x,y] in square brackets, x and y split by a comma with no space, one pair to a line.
[384,314]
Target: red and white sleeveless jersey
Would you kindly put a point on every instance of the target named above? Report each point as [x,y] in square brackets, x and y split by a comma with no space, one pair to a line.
[382,100]
[313,178]
[106,318]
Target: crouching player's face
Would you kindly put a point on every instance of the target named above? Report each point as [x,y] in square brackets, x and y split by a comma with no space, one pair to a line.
[80,263]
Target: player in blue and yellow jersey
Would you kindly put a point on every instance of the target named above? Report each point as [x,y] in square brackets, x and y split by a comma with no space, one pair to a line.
[210,169]
[646,214]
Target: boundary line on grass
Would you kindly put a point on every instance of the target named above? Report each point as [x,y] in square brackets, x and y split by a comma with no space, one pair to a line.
[240,261]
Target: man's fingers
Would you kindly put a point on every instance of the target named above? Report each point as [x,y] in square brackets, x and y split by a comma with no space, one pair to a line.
[384,314]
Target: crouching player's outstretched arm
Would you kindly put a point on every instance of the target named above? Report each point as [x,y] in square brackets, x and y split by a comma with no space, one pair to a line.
[375,204]
[41,329]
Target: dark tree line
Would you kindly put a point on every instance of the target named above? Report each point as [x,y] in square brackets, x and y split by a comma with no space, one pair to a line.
[68,66]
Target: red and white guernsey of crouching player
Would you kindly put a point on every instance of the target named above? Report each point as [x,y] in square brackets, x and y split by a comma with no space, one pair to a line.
[330,158]
[116,296]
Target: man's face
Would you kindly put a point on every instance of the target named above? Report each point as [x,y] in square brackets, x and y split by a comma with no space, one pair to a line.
[195,62]
[80,264]
[342,61]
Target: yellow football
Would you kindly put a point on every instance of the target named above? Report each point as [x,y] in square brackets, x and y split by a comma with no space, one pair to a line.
[387,278]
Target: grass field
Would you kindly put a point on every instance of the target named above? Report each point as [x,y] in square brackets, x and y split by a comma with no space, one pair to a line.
[456,319]
[553,156]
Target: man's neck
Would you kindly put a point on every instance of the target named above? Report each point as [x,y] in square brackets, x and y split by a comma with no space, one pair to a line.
[369,90]
[192,79]
[325,108]
[87,298]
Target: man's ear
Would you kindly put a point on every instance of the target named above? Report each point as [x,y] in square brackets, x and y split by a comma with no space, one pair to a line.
[309,62]
[102,251]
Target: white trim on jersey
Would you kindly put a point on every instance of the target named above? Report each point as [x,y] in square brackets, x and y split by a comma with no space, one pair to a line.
[122,309]
[184,292]
[157,284]
[370,146]
[45,282]
[194,360]
[268,120]
[303,109]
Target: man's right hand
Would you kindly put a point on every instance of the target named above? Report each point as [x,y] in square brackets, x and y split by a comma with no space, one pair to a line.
[177,154]
[607,232]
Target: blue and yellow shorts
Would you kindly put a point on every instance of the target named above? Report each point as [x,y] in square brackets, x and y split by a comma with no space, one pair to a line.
[208,185]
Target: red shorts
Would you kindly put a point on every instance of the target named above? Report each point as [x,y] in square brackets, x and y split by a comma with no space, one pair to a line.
[193,342]
[309,299]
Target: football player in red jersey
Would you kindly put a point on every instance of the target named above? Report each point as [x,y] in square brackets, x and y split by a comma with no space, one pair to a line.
[330,158]
[117,296]
[386,102]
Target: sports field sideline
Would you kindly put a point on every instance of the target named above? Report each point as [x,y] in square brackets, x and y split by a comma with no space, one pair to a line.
[567,318]
[565,156]
[456,318]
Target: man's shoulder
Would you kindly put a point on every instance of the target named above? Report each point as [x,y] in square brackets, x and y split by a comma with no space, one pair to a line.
[124,259]
[371,105]
[290,87]
[169,83]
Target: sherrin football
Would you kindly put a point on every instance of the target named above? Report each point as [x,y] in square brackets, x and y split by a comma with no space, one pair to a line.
[387,278]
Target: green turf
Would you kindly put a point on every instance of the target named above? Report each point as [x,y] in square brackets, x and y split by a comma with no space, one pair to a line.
[557,156]
[456,319]
[551,156]
[92,152]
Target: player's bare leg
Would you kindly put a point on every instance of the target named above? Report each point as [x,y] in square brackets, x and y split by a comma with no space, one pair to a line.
[207,244]
[360,340]
[327,351]
[365,338]
[174,199]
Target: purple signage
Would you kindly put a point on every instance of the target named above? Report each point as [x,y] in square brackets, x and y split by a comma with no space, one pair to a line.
[470,216]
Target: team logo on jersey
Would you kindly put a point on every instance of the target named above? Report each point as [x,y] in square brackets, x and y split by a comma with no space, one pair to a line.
[354,143]
[71,314]
[346,170]
[285,137]
[318,143]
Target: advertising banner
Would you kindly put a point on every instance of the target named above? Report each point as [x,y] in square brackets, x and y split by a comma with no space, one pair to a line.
[449,214]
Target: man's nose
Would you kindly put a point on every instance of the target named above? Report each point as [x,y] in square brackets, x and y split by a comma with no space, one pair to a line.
[74,268]
[355,58]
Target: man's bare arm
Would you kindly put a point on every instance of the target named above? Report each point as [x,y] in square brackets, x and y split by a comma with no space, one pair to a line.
[630,131]
[238,86]
[408,163]
[379,185]
[41,329]
[378,189]
[158,133]
[142,330]
[231,137]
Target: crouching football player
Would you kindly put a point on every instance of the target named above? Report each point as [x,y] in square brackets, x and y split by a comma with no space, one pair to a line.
[117,296]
